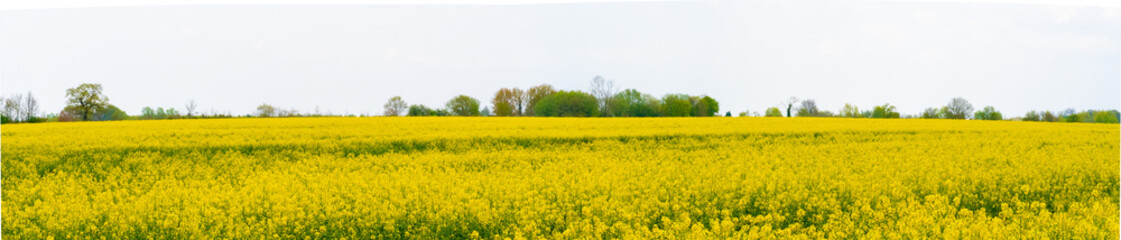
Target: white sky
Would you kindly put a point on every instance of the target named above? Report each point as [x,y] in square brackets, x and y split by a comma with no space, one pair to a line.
[346,58]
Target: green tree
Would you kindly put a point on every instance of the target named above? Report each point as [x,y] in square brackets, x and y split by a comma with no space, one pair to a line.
[1048,116]
[87,99]
[1031,116]
[632,103]
[790,105]
[263,110]
[885,111]
[508,102]
[1072,118]
[773,112]
[988,113]
[173,114]
[850,111]
[568,104]
[930,113]
[110,113]
[419,110]
[147,113]
[1105,117]
[536,94]
[676,105]
[706,107]
[463,105]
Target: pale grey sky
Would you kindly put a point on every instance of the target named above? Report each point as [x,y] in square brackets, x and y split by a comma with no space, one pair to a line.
[747,55]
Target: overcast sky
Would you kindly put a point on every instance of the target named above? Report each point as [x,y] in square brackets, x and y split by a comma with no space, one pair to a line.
[747,55]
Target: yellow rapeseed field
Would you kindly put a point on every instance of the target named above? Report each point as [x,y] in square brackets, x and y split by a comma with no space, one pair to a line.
[556,178]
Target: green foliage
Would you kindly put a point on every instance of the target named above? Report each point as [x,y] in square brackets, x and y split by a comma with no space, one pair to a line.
[568,104]
[988,113]
[1105,117]
[34,119]
[885,111]
[1072,118]
[1048,116]
[147,113]
[172,114]
[4,119]
[416,110]
[503,109]
[705,106]
[110,113]
[508,102]
[463,105]
[536,94]
[632,103]
[264,110]
[773,112]
[1031,116]
[86,100]
[849,111]
[728,114]
[676,105]
[930,113]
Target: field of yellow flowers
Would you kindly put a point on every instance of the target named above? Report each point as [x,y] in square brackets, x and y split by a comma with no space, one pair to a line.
[558,178]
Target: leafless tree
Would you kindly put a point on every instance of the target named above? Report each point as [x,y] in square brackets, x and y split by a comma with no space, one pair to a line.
[959,108]
[191,108]
[31,106]
[808,108]
[395,106]
[603,89]
[13,107]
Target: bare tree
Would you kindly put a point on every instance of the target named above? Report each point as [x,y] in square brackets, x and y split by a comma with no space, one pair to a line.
[30,106]
[395,106]
[12,108]
[603,89]
[808,108]
[191,108]
[958,108]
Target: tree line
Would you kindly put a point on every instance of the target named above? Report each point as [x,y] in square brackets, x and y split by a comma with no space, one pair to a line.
[602,100]
[957,108]
[87,102]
